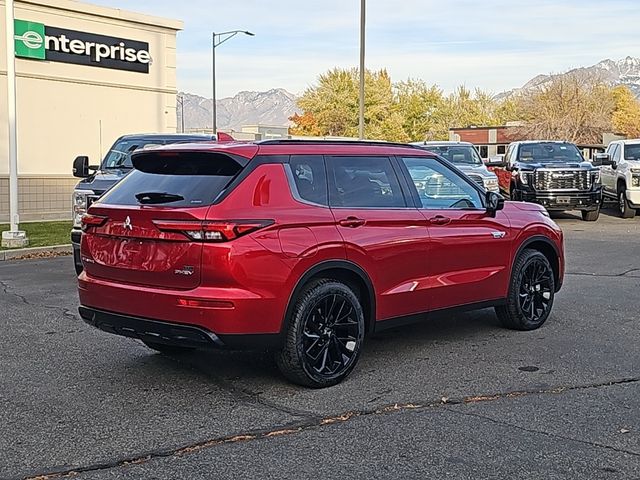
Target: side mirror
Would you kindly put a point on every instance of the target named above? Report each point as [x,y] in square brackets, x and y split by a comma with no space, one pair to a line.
[497,161]
[81,167]
[494,202]
[601,159]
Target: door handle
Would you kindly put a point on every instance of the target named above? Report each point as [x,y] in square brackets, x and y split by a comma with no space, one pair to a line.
[352,222]
[439,220]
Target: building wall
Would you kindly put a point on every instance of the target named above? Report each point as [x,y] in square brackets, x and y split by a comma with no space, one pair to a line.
[65,110]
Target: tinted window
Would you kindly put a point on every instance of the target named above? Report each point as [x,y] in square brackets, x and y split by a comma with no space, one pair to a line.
[632,152]
[363,182]
[501,149]
[310,178]
[174,180]
[438,187]
[484,151]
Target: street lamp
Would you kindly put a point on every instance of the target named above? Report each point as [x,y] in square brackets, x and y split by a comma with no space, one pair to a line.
[217,40]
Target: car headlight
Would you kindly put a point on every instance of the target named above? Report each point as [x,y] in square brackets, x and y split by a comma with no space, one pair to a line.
[595,176]
[80,205]
[491,184]
[635,180]
[525,178]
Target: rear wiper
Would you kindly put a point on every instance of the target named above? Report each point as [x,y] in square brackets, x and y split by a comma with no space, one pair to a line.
[158,197]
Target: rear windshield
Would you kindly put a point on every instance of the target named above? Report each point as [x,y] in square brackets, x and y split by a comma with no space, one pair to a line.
[175,179]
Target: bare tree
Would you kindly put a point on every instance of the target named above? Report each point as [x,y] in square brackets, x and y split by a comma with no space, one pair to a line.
[576,107]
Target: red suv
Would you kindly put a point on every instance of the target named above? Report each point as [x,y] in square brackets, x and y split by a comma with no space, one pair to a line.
[306,247]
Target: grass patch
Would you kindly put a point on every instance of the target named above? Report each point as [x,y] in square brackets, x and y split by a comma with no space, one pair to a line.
[45,234]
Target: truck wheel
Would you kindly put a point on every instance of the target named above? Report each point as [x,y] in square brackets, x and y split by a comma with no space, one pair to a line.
[590,215]
[324,337]
[531,292]
[623,205]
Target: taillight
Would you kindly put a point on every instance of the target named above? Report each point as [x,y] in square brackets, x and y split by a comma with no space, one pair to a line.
[89,221]
[212,231]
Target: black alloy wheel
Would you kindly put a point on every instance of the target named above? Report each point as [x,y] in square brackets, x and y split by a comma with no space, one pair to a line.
[531,292]
[330,335]
[535,292]
[324,335]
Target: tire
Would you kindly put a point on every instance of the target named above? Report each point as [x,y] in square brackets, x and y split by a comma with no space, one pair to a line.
[322,344]
[590,215]
[512,194]
[524,293]
[623,205]
[168,349]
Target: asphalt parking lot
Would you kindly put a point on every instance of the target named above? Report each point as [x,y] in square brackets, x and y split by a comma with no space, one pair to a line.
[456,397]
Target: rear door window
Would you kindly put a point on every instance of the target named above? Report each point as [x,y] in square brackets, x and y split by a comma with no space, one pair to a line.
[363,182]
[174,179]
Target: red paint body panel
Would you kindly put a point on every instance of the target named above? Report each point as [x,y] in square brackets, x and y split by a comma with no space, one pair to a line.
[244,286]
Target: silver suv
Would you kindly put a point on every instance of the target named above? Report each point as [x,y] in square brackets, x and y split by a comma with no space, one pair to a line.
[621,179]
[464,156]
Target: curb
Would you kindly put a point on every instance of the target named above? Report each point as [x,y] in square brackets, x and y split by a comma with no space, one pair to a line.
[19,253]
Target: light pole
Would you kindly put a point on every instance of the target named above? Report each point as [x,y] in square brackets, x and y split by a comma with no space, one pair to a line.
[14,237]
[217,40]
[362,71]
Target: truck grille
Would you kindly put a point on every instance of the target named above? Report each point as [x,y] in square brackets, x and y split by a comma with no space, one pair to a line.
[477,179]
[562,180]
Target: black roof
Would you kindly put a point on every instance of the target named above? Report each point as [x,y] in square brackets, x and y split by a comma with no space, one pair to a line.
[168,136]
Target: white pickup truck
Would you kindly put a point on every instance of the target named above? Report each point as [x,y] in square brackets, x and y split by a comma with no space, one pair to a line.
[621,179]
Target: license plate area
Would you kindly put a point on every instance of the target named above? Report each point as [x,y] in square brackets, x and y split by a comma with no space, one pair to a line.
[563,200]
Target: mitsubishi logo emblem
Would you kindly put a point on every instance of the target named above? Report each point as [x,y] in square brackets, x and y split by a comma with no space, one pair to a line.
[127,224]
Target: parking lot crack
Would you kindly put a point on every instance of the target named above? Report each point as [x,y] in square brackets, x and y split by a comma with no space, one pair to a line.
[542,432]
[65,311]
[613,275]
[315,422]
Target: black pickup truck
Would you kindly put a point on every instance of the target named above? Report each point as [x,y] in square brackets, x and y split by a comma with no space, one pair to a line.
[552,174]
[115,166]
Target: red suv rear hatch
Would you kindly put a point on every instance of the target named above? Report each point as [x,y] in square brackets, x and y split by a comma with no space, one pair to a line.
[148,229]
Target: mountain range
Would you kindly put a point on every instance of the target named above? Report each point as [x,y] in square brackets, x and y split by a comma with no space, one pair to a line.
[275,106]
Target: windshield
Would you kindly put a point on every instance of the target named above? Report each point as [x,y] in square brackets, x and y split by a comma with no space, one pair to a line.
[120,154]
[632,152]
[457,154]
[549,152]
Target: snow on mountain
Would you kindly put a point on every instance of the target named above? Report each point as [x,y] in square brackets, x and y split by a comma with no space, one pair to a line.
[273,107]
[625,71]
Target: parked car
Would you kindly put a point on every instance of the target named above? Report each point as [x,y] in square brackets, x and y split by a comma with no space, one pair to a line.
[552,174]
[620,173]
[115,165]
[464,156]
[306,247]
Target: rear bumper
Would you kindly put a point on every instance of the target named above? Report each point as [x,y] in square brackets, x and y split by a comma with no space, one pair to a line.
[564,201]
[220,311]
[168,333]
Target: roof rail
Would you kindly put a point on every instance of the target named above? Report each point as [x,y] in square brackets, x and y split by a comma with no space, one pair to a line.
[381,143]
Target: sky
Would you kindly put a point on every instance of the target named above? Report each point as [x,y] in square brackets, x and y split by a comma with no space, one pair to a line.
[490,44]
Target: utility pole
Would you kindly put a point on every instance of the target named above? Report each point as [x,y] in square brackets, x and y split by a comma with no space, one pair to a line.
[362,71]
[14,238]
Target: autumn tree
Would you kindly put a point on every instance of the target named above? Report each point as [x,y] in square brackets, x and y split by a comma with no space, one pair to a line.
[626,114]
[573,107]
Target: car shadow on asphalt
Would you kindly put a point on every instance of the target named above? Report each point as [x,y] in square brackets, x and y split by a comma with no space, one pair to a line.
[227,366]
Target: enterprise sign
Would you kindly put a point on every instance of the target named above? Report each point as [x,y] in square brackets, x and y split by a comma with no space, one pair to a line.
[41,42]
